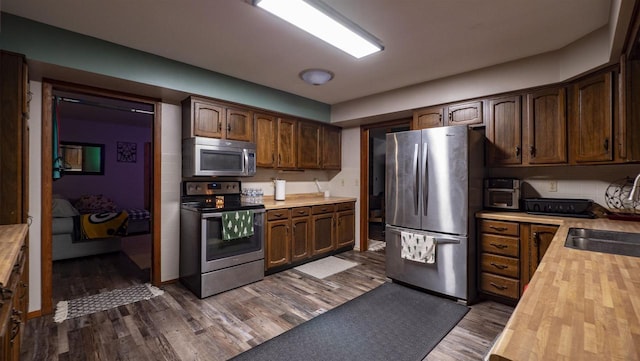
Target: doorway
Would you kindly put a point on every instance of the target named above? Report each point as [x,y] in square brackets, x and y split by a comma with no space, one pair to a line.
[125,151]
[372,175]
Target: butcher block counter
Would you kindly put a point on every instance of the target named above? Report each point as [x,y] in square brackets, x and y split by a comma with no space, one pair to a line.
[303,200]
[579,305]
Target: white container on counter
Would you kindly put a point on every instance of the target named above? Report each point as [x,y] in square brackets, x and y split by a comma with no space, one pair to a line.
[280,189]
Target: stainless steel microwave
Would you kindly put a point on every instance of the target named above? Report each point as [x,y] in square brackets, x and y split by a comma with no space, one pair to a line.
[217,157]
[502,193]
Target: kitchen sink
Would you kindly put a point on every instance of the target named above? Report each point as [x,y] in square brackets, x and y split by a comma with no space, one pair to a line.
[623,243]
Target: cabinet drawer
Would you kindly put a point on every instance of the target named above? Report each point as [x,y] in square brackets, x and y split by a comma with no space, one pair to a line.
[506,246]
[499,285]
[501,265]
[325,208]
[276,214]
[346,206]
[300,212]
[498,227]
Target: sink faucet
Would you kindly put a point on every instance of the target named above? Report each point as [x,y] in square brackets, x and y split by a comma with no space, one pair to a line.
[633,195]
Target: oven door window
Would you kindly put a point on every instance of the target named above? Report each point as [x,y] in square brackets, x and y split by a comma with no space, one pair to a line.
[217,248]
[221,161]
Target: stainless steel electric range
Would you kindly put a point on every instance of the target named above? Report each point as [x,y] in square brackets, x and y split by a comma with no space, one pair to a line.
[210,263]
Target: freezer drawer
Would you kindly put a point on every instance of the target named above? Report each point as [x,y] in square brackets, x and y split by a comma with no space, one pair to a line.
[449,275]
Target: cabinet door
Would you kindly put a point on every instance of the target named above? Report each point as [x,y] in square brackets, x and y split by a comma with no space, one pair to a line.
[427,118]
[309,153]
[504,132]
[591,120]
[331,147]
[266,126]
[239,125]
[208,120]
[540,239]
[286,143]
[322,239]
[345,229]
[277,251]
[546,127]
[300,238]
[465,113]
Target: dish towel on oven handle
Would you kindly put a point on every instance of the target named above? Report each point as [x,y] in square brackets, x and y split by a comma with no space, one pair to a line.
[418,247]
[237,224]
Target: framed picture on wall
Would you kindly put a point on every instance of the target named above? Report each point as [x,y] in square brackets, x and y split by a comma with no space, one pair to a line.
[127,152]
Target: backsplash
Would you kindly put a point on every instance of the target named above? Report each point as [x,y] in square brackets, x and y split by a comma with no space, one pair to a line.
[589,182]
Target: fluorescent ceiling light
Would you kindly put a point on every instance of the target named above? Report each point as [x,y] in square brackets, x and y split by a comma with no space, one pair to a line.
[325,23]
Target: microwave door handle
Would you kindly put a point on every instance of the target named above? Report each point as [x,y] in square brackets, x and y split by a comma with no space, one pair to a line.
[425,177]
[245,163]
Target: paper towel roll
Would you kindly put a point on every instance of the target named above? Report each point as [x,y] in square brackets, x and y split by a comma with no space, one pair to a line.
[280,189]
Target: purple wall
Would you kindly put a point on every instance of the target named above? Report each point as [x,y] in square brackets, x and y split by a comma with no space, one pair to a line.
[122,182]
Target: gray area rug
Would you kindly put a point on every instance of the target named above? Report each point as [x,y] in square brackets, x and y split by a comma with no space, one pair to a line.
[391,322]
[104,301]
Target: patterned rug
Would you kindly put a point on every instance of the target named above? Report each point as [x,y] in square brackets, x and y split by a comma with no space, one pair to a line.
[103,301]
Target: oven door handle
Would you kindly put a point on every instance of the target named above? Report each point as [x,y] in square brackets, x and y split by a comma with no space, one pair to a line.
[219,214]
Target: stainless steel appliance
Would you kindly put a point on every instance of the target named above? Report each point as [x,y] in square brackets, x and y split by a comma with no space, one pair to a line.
[502,193]
[208,263]
[433,188]
[217,157]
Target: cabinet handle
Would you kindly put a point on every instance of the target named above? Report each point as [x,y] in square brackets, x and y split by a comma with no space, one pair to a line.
[500,229]
[499,246]
[535,239]
[219,127]
[229,128]
[500,287]
[278,214]
[273,158]
[532,151]
[450,116]
[517,150]
[606,144]
[499,266]
[300,212]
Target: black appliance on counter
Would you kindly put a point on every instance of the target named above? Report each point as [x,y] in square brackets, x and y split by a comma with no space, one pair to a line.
[563,207]
[209,263]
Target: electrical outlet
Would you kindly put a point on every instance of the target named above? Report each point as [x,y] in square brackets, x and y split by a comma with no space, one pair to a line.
[553,186]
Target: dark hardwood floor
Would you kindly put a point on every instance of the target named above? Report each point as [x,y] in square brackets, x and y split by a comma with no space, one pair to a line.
[179,326]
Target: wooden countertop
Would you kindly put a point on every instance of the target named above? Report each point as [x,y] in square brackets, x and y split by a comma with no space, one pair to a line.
[11,239]
[303,200]
[579,305]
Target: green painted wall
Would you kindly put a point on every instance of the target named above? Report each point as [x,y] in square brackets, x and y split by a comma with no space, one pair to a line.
[57,46]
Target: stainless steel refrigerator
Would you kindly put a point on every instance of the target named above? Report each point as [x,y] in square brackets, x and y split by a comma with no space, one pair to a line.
[433,188]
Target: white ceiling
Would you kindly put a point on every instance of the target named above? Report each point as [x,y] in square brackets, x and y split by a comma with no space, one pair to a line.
[423,39]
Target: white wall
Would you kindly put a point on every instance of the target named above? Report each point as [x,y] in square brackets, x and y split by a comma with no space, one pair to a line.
[35,195]
[171,176]
[590,182]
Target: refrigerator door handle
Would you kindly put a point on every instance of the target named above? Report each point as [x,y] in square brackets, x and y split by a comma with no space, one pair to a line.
[425,177]
[416,179]
[447,240]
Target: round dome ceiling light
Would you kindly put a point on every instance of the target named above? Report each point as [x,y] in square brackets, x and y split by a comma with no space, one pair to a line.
[316,76]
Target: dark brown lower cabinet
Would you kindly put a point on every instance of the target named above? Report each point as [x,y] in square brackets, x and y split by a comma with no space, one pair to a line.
[510,252]
[322,229]
[277,251]
[299,234]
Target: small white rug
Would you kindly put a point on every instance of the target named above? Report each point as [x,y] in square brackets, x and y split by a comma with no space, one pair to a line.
[325,267]
[104,301]
[375,245]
